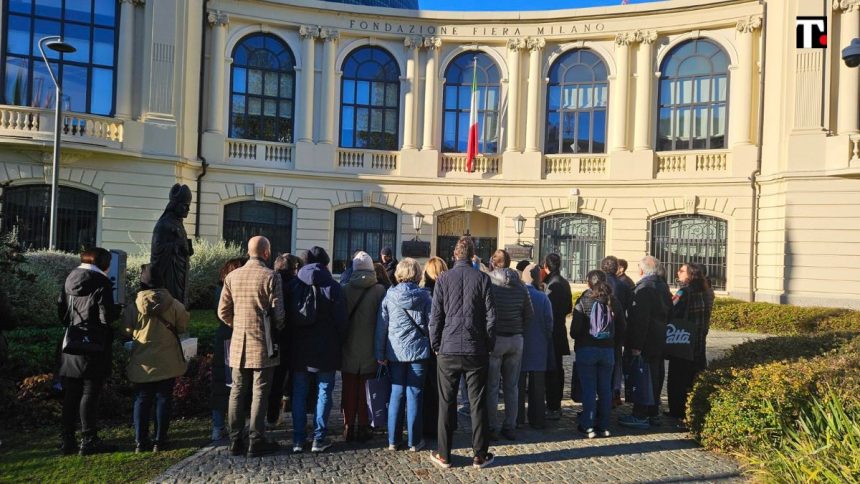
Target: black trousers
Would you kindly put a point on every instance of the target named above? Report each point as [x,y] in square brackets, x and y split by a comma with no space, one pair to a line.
[658,373]
[279,381]
[449,370]
[81,401]
[679,383]
[555,384]
[532,388]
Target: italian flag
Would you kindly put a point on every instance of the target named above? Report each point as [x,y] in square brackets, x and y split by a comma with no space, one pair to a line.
[472,146]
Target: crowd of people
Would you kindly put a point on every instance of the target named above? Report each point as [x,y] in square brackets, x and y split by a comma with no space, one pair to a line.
[470,333]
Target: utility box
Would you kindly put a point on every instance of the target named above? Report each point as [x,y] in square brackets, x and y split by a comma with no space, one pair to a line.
[116,273]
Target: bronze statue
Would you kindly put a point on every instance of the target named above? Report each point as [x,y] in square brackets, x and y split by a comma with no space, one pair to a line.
[171,247]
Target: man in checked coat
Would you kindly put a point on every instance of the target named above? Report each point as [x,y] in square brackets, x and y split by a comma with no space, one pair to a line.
[252,293]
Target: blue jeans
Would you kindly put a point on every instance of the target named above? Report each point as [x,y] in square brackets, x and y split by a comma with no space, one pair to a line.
[162,393]
[411,376]
[325,381]
[594,366]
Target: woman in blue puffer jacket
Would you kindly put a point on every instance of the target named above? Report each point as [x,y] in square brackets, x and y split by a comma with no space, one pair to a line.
[403,344]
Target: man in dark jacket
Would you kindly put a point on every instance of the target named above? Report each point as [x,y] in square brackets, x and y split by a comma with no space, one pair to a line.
[386,258]
[318,322]
[86,300]
[462,334]
[558,291]
[646,336]
[514,315]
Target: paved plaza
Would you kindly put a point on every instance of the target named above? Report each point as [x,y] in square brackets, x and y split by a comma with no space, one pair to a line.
[557,454]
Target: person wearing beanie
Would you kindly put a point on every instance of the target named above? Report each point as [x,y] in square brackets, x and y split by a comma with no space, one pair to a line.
[363,295]
[156,358]
[386,258]
[538,357]
[318,324]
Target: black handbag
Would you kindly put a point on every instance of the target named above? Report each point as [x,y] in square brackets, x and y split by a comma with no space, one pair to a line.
[681,332]
[83,338]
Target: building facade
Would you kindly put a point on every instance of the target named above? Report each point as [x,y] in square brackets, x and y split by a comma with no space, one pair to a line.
[688,129]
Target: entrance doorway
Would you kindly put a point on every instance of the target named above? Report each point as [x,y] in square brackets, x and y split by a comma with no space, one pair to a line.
[483,228]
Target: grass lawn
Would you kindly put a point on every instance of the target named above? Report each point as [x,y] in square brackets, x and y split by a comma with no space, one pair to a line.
[34,457]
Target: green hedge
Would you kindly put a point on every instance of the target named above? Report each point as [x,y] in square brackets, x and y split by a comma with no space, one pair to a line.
[735,315]
[745,402]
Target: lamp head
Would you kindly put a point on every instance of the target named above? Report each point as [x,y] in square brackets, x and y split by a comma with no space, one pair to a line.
[60,46]
[417,221]
[519,224]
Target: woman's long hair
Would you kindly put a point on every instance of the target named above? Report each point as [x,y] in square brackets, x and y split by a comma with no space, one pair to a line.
[287,265]
[432,270]
[696,281]
[600,290]
[230,266]
[381,275]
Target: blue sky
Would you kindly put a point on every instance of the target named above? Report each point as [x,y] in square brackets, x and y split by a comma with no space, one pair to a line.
[516,4]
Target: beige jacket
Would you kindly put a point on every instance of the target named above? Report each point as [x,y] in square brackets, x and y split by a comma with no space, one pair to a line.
[249,292]
[156,353]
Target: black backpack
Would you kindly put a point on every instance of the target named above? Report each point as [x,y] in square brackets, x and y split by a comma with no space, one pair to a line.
[303,309]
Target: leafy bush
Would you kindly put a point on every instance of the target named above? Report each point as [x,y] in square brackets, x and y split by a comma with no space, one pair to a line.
[32,351]
[735,315]
[822,445]
[203,326]
[32,293]
[53,263]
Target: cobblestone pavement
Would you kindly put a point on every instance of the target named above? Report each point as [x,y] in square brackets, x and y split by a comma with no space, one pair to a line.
[557,454]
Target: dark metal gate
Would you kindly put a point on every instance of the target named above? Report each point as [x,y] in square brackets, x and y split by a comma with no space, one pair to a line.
[700,239]
[579,239]
[26,209]
[484,247]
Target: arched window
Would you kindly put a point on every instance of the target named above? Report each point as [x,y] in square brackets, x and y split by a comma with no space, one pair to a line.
[693,97]
[26,210]
[701,239]
[576,104]
[88,76]
[243,220]
[579,239]
[370,100]
[360,228]
[458,103]
[262,89]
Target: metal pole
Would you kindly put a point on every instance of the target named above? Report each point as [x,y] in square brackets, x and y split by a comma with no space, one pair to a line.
[55,170]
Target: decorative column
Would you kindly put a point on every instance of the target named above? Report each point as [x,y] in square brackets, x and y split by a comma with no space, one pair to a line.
[431,79]
[217,65]
[124,73]
[619,98]
[642,139]
[514,48]
[535,46]
[305,125]
[849,78]
[741,83]
[410,96]
[329,79]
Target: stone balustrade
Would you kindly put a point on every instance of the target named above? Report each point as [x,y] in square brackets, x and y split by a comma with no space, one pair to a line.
[455,163]
[266,153]
[695,163]
[76,127]
[575,166]
[352,159]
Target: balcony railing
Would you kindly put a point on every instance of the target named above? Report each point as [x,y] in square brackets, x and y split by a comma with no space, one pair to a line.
[455,163]
[351,159]
[685,163]
[76,127]
[575,166]
[264,153]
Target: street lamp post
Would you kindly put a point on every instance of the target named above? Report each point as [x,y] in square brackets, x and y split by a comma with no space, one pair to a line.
[519,226]
[417,222]
[55,43]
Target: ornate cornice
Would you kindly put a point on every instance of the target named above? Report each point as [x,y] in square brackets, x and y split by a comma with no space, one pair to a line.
[625,38]
[218,19]
[749,24]
[517,43]
[330,35]
[432,42]
[645,36]
[846,5]
[309,31]
[413,43]
[536,43]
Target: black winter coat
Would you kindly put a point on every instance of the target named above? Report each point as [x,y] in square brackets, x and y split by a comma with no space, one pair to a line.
[92,304]
[646,322]
[558,291]
[514,312]
[318,346]
[463,318]
[620,290]
[581,322]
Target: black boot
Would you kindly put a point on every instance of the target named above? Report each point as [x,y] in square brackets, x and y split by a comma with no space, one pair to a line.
[237,447]
[94,445]
[68,444]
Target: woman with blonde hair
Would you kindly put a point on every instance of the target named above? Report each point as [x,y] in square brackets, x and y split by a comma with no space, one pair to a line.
[403,344]
[432,269]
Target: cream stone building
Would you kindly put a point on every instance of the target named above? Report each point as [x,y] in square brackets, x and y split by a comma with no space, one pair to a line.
[689,129]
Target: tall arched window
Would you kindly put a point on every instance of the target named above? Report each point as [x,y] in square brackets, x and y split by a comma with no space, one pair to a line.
[579,239]
[88,76]
[262,89]
[370,100]
[458,103]
[243,220]
[693,97]
[360,228]
[576,104]
[701,239]
[26,210]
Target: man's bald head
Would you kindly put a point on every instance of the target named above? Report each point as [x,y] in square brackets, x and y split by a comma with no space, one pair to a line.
[259,246]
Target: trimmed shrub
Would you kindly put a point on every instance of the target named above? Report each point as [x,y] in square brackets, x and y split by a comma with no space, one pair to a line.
[735,315]
[32,351]
[53,263]
[203,325]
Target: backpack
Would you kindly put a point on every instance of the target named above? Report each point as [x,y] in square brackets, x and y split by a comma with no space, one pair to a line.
[601,322]
[303,310]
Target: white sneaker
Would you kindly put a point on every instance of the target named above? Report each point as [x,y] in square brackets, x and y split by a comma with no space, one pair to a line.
[392,446]
[321,445]
[418,447]
[298,449]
